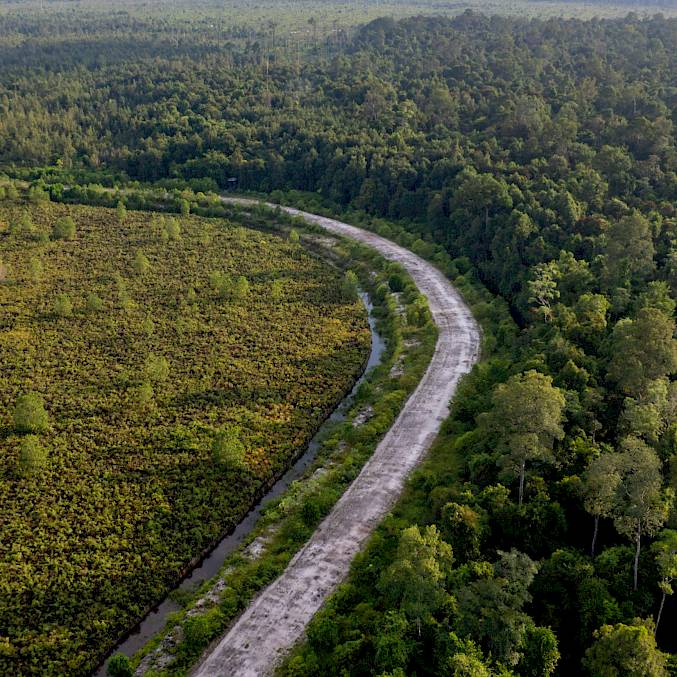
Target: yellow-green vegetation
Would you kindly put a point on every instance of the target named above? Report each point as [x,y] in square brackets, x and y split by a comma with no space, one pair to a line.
[156,374]
[288,522]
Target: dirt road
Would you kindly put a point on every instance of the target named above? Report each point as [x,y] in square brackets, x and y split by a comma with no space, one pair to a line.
[277,617]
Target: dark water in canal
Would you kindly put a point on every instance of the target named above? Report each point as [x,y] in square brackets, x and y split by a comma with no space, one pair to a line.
[211,564]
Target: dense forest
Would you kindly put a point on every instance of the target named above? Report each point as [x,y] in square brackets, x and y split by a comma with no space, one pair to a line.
[540,540]
[542,154]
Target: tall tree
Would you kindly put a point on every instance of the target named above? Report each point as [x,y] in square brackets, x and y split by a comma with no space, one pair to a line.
[481,195]
[600,487]
[625,651]
[630,250]
[642,503]
[540,653]
[648,415]
[525,419]
[416,579]
[391,644]
[591,315]
[543,288]
[643,350]
[665,553]
[490,608]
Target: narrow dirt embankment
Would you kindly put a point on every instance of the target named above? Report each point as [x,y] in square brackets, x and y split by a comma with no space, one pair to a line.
[277,617]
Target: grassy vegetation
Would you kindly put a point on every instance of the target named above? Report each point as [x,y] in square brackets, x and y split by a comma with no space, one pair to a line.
[288,522]
[156,374]
[535,155]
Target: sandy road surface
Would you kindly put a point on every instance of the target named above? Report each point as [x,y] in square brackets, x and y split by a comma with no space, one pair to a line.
[277,617]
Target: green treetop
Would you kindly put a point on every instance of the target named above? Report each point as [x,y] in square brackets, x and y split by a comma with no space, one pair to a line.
[30,415]
[525,420]
[625,651]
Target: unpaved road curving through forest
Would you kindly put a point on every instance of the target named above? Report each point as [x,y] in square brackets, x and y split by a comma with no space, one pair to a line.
[277,617]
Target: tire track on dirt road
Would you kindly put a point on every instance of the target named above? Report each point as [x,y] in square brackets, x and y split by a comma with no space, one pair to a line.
[277,617]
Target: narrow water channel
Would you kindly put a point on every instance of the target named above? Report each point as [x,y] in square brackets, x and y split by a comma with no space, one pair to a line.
[210,565]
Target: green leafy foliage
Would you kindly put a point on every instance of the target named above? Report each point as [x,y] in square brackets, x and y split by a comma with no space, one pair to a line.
[64,229]
[540,653]
[276,291]
[94,303]
[141,263]
[173,227]
[228,449]
[30,415]
[241,288]
[416,579]
[119,666]
[490,607]
[526,419]
[625,650]
[665,552]
[35,269]
[156,368]
[144,395]
[33,456]
[349,286]
[134,406]
[63,306]
[534,159]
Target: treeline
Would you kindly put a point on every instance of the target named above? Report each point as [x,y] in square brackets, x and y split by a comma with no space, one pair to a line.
[542,155]
[555,494]
[539,539]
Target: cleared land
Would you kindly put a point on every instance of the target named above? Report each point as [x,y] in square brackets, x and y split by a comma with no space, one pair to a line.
[278,616]
[144,344]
